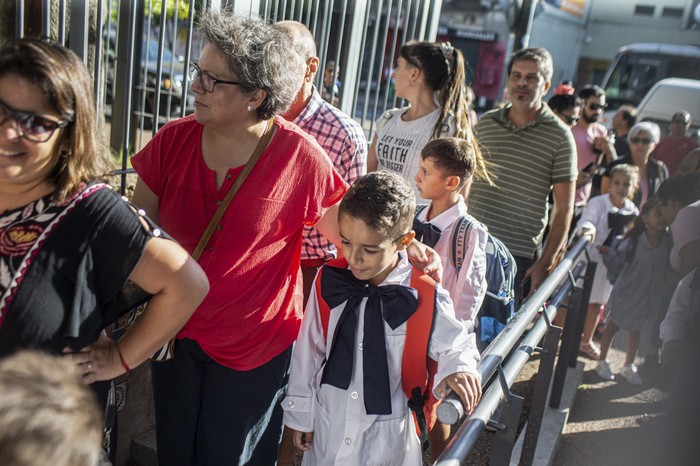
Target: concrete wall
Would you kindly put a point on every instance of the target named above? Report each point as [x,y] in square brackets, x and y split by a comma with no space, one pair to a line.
[563,36]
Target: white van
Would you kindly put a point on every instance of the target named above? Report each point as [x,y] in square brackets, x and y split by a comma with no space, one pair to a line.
[667,97]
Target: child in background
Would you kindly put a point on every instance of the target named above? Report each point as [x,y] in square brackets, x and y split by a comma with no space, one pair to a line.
[605,217]
[334,402]
[642,261]
[445,170]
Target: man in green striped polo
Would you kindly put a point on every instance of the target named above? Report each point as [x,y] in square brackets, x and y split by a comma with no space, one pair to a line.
[531,153]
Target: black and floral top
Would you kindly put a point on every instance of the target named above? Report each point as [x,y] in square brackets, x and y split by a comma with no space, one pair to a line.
[63,267]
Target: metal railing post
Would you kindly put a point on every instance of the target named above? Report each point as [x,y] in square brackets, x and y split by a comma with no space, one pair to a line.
[582,310]
[507,425]
[539,397]
[567,339]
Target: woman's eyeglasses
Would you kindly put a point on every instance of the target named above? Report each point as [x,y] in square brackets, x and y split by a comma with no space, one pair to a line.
[645,141]
[30,126]
[207,81]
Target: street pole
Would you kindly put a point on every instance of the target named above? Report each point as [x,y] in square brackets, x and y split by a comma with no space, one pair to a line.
[524,26]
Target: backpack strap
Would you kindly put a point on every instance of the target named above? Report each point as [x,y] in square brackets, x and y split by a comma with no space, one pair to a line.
[417,369]
[420,208]
[458,244]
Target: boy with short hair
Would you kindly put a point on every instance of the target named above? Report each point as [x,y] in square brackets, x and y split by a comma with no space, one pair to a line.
[445,172]
[345,387]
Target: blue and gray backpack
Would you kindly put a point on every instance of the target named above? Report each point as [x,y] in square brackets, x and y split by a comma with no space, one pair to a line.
[499,303]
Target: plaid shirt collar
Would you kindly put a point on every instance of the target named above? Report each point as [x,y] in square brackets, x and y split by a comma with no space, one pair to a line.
[311,108]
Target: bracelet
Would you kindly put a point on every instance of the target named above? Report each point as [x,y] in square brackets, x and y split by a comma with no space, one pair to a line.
[121,358]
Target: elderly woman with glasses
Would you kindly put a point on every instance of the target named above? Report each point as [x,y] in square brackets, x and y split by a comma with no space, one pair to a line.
[68,242]
[218,401]
[642,139]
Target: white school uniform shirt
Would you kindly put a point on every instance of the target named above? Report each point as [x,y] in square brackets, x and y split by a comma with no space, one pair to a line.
[595,217]
[344,434]
[468,287]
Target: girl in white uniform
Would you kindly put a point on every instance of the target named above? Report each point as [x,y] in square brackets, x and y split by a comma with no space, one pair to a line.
[605,216]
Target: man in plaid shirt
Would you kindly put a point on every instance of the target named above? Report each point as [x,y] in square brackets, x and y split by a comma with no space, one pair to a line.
[338,134]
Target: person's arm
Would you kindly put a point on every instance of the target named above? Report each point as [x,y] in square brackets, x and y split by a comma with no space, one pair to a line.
[372,160]
[603,144]
[178,286]
[466,385]
[673,329]
[563,194]
[590,217]
[328,225]
[146,200]
[690,257]
[299,413]
[457,359]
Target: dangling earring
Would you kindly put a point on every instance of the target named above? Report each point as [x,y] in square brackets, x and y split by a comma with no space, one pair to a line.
[250,108]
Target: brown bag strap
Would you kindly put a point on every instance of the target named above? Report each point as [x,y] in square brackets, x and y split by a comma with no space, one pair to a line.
[262,145]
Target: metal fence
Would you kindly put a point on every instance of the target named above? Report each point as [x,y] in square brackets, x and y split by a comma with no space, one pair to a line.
[503,360]
[139,51]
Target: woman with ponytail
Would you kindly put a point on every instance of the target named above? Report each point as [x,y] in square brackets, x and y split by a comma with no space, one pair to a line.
[431,77]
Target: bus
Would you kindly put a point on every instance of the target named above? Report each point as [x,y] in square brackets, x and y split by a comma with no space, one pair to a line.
[637,67]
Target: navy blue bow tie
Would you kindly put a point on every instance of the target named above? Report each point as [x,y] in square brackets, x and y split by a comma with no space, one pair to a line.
[426,232]
[617,223]
[392,303]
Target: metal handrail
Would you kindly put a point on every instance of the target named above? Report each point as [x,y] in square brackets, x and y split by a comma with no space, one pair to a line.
[500,355]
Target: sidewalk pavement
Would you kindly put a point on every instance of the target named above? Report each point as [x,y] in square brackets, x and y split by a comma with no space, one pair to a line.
[600,422]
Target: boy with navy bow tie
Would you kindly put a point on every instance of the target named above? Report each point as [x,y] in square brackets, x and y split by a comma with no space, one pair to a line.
[347,400]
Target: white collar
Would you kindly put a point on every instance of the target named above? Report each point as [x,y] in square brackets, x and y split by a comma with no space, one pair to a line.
[448,217]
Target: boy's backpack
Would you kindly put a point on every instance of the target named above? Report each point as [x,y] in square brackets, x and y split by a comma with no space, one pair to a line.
[417,369]
[499,303]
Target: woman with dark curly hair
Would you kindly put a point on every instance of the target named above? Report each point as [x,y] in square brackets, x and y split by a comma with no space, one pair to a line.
[218,401]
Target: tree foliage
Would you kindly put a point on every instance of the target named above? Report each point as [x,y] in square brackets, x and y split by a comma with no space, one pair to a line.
[156,6]
[153,8]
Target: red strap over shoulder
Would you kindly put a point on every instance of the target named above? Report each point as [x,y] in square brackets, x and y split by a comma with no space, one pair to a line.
[323,310]
[417,369]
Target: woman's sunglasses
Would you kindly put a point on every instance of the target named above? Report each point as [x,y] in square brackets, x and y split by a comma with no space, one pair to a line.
[30,126]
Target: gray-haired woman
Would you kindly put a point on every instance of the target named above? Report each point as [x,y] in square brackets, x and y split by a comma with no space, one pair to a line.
[642,139]
[218,401]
